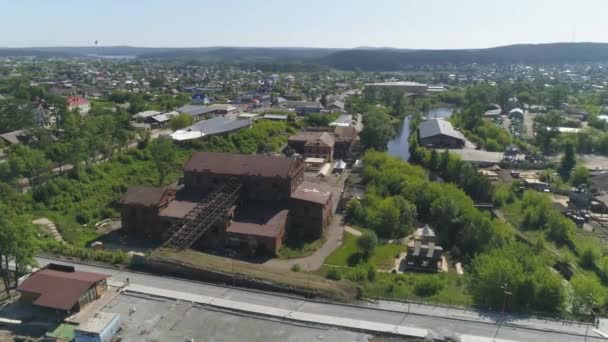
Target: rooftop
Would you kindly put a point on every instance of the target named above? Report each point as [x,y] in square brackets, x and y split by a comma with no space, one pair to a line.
[97,323]
[308,193]
[433,127]
[217,125]
[59,289]
[77,101]
[259,220]
[182,204]
[242,164]
[143,195]
[196,110]
[344,120]
[13,137]
[398,84]
[146,114]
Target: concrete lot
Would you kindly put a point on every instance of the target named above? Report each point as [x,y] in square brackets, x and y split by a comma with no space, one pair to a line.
[440,320]
[158,319]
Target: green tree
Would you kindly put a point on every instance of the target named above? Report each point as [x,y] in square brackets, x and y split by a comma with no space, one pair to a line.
[587,293]
[180,121]
[560,228]
[521,273]
[557,96]
[29,163]
[367,244]
[568,162]
[15,115]
[377,130]
[17,247]
[580,176]
[434,160]
[163,156]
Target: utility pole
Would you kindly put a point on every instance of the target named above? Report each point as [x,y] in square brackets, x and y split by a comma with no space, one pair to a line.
[505,288]
[506,291]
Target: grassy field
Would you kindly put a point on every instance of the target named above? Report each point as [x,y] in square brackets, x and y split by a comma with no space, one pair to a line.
[291,250]
[441,288]
[347,254]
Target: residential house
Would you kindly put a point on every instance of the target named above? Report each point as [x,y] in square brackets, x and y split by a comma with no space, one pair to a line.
[78,103]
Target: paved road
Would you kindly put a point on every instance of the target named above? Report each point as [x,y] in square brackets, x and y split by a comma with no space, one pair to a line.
[441,321]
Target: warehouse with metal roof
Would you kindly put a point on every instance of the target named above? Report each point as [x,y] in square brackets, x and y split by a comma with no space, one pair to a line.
[439,133]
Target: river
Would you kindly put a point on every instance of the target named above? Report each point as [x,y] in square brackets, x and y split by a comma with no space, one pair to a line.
[399,146]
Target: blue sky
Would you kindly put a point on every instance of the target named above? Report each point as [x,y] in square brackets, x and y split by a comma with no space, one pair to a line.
[312,23]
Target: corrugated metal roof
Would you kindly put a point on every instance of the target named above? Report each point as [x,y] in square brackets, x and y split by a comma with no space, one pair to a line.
[343,120]
[217,125]
[433,127]
[196,110]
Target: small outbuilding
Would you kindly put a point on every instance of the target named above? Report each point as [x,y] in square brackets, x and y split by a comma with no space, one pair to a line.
[62,288]
[102,327]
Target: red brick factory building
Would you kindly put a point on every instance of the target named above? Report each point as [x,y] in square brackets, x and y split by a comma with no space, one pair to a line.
[245,202]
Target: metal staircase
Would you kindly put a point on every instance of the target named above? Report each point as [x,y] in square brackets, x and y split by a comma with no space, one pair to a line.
[207,213]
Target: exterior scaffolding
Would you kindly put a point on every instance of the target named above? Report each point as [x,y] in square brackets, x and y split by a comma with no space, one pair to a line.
[208,212]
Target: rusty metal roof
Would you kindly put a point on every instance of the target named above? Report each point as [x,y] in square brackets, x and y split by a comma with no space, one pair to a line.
[306,192]
[143,195]
[57,289]
[242,164]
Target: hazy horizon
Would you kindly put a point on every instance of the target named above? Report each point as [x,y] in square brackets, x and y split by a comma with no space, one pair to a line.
[400,24]
[281,47]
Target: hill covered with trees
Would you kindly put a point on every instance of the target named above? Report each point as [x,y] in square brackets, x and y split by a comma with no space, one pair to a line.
[348,59]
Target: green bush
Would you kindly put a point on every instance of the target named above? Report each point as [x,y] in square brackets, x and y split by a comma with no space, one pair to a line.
[427,287]
[333,274]
[371,273]
[296,268]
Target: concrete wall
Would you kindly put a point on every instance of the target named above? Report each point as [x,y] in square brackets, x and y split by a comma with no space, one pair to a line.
[169,268]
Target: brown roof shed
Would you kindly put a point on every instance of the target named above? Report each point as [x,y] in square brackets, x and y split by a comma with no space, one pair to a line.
[58,289]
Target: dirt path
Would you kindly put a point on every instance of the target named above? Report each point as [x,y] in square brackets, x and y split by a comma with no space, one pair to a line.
[333,240]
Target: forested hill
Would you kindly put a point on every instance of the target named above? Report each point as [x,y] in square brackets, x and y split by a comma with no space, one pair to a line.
[349,59]
[243,53]
[394,59]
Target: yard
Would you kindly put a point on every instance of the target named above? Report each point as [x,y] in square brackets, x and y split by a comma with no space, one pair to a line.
[348,255]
